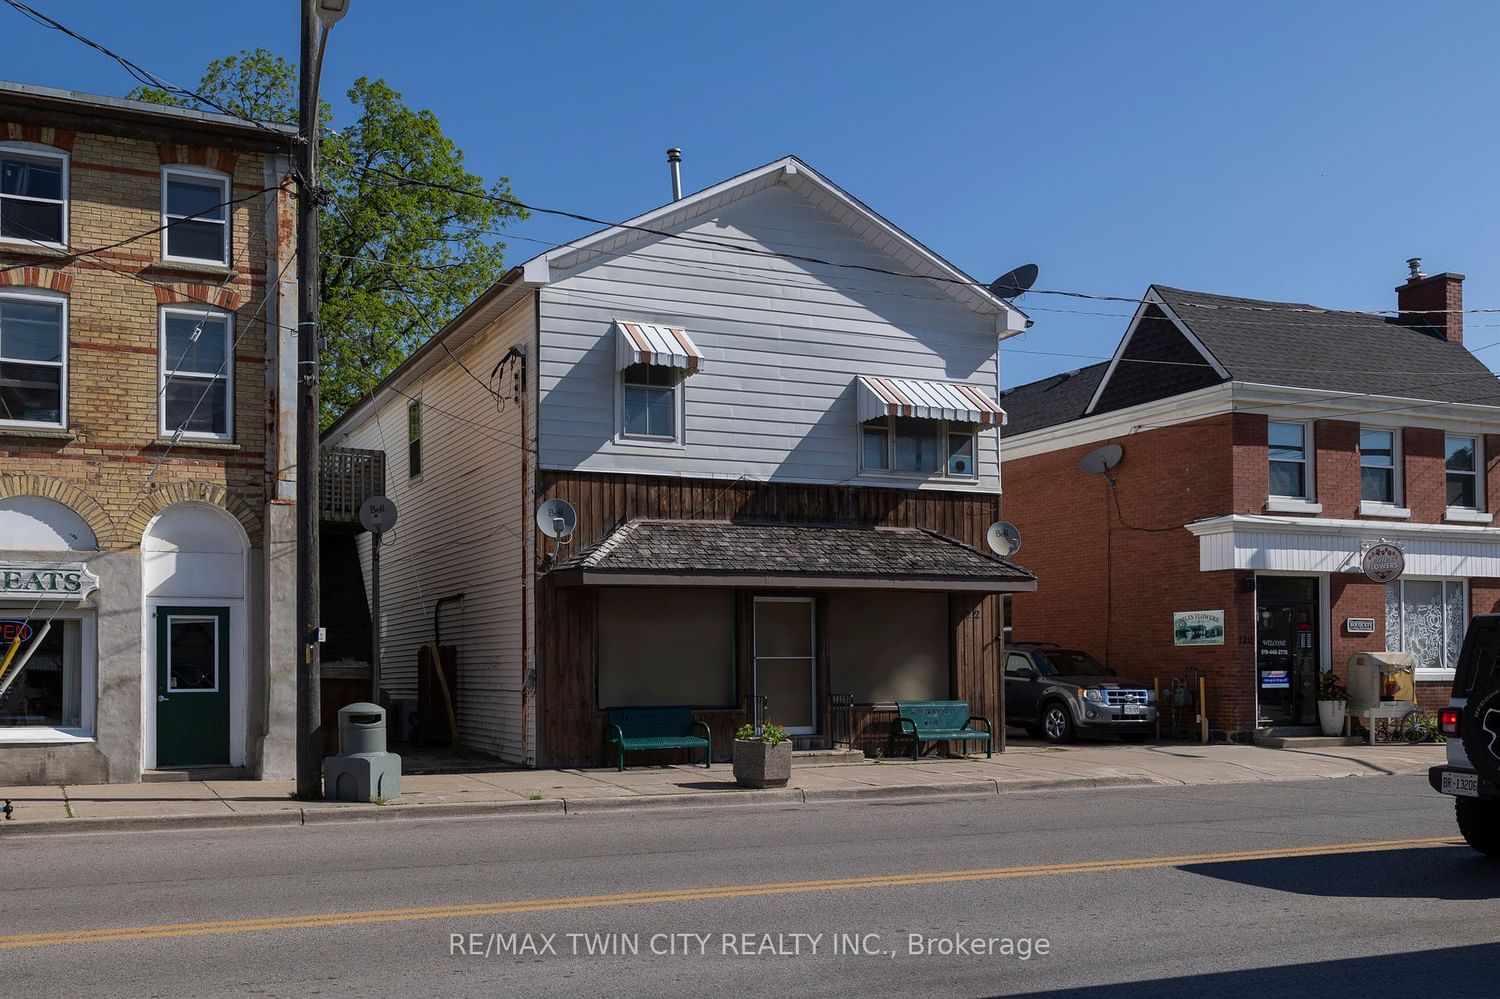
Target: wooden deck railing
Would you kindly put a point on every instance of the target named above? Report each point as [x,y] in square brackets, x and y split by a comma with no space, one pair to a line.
[349,477]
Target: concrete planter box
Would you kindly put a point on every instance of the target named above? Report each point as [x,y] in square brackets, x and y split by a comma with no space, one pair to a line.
[757,764]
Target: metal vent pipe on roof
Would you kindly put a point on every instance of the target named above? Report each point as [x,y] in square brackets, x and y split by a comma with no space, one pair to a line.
[674,160]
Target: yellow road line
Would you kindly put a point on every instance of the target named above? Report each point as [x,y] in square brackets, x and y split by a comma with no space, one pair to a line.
[113,934]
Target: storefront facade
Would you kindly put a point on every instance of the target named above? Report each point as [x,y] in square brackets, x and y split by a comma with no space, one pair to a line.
[146,456]
[1245,488]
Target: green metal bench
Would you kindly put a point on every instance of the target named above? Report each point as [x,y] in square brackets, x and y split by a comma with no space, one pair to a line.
[937,721]
[640,729]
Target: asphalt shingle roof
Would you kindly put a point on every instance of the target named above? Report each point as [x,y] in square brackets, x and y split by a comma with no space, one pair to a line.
[721,548]
[1050,401]
[1284,343]
[1269,343]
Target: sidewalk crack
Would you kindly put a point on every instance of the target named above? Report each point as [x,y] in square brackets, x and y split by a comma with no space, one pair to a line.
[67,802]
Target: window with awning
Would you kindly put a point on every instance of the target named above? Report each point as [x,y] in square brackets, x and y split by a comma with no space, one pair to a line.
[653,360]
[922,427]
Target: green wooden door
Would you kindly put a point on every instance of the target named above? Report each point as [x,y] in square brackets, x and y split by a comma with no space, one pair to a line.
[192,686]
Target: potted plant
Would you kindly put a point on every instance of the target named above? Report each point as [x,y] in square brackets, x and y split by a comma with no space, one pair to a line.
[1333,700]
[764,759]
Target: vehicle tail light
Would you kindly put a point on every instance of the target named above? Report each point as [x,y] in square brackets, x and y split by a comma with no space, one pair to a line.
[1448,721]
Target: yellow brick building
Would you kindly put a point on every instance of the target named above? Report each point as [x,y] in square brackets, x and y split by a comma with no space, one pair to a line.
[147,375]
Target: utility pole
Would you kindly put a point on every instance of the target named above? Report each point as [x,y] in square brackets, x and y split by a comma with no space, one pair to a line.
[317,17]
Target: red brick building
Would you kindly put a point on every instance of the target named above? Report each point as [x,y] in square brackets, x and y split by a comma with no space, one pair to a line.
[1264,447]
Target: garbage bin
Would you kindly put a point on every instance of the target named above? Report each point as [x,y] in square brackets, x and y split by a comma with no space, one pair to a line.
[361,729]
[363,770]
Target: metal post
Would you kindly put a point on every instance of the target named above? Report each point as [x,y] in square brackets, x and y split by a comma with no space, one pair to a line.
[309,708]
[375,617]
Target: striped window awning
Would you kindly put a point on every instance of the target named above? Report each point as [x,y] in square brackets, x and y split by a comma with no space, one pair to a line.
[953,401]
[646,343]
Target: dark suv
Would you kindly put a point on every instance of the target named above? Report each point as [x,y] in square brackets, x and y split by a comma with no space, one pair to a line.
[1471,721]
[1053,692]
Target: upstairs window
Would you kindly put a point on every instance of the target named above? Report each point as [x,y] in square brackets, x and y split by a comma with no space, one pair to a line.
[1377,465]
[1288,457]
[414,438]
[916,446]
[197,374]
[33,195]
[1461,458]
[648,402]
[196,215]
[33,359]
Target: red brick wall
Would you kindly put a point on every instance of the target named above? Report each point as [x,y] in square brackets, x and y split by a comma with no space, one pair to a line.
[1336,479]
[1491,472]
[1252,475]
[1075,533]
[1426,475]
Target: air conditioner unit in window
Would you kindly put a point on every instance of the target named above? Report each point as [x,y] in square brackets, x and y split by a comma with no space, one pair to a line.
[960,464]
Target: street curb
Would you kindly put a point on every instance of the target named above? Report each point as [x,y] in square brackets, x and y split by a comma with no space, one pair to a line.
[730,798]
[736,798]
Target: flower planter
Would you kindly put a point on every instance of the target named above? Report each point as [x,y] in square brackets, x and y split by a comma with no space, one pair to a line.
[757,764]
[1331,716]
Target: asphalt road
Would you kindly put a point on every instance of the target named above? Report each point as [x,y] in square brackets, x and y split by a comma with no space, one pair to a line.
[1242,890]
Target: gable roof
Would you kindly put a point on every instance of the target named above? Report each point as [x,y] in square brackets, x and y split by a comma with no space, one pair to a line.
[1303,346]
[1051,400]
[795,174]
[1202,339]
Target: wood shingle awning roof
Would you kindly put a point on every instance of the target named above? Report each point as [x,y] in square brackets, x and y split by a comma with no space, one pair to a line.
[795,556]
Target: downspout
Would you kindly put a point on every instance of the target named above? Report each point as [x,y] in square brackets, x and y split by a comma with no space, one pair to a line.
[526,676]
[437,665]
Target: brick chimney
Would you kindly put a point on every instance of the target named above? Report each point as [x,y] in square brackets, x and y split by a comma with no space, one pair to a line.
[1433,304]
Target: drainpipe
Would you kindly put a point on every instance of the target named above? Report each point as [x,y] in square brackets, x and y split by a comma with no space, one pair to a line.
[437,665]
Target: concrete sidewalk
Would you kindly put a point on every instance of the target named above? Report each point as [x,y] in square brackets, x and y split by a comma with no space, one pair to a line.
[1024,766]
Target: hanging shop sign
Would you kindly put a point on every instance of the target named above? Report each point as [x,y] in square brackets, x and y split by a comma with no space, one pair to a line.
[66,581]
[1383,562]
[1198,627]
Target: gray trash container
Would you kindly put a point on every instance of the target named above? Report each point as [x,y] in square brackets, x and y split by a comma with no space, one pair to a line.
[363,770]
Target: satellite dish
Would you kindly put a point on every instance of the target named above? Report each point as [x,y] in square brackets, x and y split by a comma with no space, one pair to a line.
[1003,538]
[1014,284]
[556,518]
[377,514]
[1101,460]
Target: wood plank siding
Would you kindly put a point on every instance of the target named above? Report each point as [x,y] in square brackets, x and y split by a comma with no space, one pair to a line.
[572,722]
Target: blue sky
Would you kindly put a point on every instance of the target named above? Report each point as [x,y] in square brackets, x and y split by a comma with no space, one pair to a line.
[1294,151]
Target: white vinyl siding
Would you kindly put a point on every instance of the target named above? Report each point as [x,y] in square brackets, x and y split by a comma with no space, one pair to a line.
[461,529]
[784,345]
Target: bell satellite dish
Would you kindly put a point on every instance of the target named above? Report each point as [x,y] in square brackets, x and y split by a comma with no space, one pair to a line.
[1101,460]
[1003,538]
[556,518]
[1014,284]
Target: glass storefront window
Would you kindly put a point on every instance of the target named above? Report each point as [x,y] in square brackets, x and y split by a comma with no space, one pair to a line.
[1426,617]
[48,692]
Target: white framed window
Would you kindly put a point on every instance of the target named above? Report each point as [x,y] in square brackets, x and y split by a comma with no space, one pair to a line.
[33,194]
[651,403]
[1462,462]
[1379,475]
[33,359]
[1427,618]
[1289,445]
[52,698]
[195,213]
[196,360]
[910,446]
[414,438]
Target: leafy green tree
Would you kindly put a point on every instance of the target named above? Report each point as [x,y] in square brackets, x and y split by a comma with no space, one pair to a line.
[397,261]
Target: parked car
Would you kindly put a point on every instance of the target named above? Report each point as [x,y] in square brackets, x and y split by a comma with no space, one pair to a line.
[1054,692]
[1471,722]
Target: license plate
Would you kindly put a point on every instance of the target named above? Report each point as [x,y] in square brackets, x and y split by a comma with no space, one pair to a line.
[1133,710]
[1464,785]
